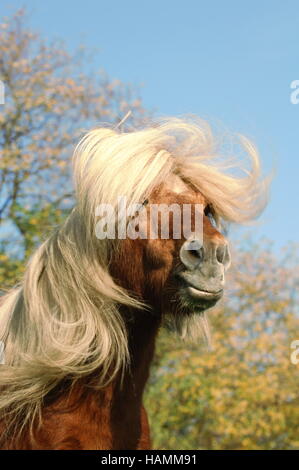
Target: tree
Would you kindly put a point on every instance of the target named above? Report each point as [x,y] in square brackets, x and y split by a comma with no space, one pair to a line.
[244,394]
[49,101]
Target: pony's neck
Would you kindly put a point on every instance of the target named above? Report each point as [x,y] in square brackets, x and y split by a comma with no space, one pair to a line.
[142,332]
[126,406]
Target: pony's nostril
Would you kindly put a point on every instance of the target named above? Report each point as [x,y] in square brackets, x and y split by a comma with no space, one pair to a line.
[194,253]
[220,253]
[197,253]
[191,254]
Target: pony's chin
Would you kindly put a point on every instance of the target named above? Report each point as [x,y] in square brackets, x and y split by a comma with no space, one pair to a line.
[188,319]
[189,326]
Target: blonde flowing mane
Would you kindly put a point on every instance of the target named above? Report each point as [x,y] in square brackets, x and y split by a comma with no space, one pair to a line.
[63,321]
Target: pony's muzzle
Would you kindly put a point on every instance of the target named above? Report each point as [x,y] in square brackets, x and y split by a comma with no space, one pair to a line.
[205,264]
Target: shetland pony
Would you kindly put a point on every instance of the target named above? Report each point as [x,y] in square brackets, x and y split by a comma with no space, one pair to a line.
[79,332]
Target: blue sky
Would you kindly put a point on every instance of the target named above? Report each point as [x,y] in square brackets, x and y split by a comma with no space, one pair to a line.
[227,61]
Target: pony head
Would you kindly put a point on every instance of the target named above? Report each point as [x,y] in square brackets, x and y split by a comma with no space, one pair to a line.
[162,171]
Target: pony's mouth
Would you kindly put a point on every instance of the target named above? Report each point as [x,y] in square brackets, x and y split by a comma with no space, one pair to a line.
[199,298]
[196,293]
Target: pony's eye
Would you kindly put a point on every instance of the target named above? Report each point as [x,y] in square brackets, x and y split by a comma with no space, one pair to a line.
[145,202]
[209,212]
